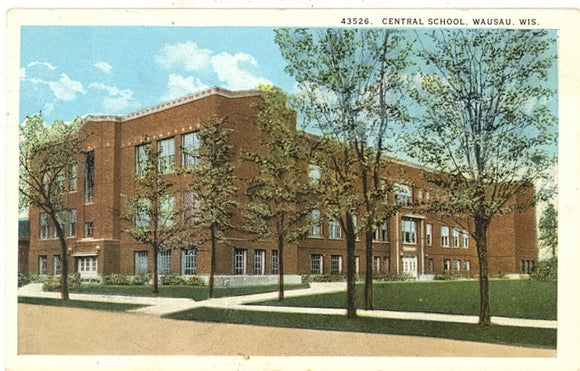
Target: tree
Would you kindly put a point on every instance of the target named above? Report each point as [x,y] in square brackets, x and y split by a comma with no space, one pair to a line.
[48,156]
[549,228]
[212,182]
[279,192]
[153,218]
[485,127]
[348,81]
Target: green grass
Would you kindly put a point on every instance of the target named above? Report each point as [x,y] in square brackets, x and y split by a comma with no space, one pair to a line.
[508,298]
[509,335]
[85,304]
[196,293]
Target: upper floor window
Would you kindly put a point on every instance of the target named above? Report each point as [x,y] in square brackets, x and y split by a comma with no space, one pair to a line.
[315,228]
[334,230]
[191,207]
[381,233]
[71,222]
[189,149]
[409,231]
[314,173]
[72,178]
[43,226]
[89,229]
[141,158]
[403,193]
[166,214]
[455,238]
[444,236]
[429,234]
[89,176]
[166,148]
[465,240]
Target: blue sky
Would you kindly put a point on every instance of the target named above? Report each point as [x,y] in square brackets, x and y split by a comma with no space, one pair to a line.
[74,71]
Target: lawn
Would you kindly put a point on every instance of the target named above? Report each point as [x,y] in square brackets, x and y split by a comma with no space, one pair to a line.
[85,304]
[196,293]
[508,298]
[510,335]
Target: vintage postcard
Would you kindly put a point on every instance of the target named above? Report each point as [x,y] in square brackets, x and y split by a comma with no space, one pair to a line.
[291,188]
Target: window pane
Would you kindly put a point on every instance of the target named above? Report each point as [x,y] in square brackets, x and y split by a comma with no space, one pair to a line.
[189,149]
[166,155]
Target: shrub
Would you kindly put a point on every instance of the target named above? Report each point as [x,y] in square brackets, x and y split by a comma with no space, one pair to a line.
[116,279]
[391,277]
[52,283]
[195,281]
[172,279]
[334,277]
[141,279]
[546,270]
[23,279]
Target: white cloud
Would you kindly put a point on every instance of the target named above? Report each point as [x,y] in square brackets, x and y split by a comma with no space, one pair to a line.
[117,100]
[48,108]
[229,69]
[65,88]
[45,64]
[104,67]
[185,55]
[178,86]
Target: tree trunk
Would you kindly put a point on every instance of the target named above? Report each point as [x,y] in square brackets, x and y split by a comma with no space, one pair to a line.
[368,304]
[280,268]
[350,269]
[155,270]
[481,242]
[210,284]
[64,271]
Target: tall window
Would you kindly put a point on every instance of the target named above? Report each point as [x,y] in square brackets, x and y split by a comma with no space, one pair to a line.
[403,193]
[140,262]
[335,263]
[259,261]
[314,173]
[87,266]
[409,231]
[89,229]
[274,265]
[315,229]
[142,218]
[42,264]
[446,265]
[456,265]
[166,215]
[429,234]
[444,236]
[141,158]
[191,205]
[334,231]
[72,180]
[164,262]
[43,226]
[166,156]
[377,263]
[56,264]
[466,265]
[189,261]
[189,149]
[71,223]
[465,240]
[455,238]
[430,265]
[316,262]
[89,176]
[381,233]
[357,264]
[240,261]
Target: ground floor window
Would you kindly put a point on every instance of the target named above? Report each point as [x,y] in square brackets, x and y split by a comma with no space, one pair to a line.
[56,264]
[386,263]
[357,264]
[410,265]
[526,266]
[259,262]
[140,262]
[466,265]
[42,264]
[316,262]
[430,264]
[446,265]
[377,263]
[164,262]
[274,262]
[240,261]
[189,261]
[335,263]
[456,265]
[87,266]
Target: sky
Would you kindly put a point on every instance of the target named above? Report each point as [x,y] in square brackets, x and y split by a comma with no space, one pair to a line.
[70,71]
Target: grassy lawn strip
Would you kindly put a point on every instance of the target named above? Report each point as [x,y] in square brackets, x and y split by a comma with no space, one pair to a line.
[509,335]
[508,298]
[85,304]
[196,293]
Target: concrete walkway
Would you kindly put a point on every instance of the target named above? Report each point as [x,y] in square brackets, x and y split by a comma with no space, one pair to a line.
[160,305]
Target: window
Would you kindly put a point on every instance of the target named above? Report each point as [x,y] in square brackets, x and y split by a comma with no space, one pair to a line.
[142,218]
[386,264]
[166,148]
[189,149]
[335,263]
[274,265]
[239,261]
[72,179]
[42,226]
[456,265]
[316,264]
[141,158]
[382,232]
[140,262]
[42,264]
[72,222]
[420,194]
[189,261]
[445,236]
[455,238]
[409,231]
[527,266]
[357,264]
[89,229]
[191,205]
[377,263]
[56,264]
[403,193]
[314,172]
[465,240]
[87,266]
[446,265]
[315,229]
[166,214]
[466,265]
[334,231]
[259,262]
[430,265]
[410,265]
[164,262]
[89,176]
[429,234]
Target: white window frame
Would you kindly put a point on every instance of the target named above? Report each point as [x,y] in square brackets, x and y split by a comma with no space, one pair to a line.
[334,230]
[467,265]
[89,229]
[447,265]
[141,159]
[43,226]
[72,180]
[42,264]
[455,235]
[410,265]
[140,259]
[316,227]
[71,223]
[259,267]
[335,264]
[189,261]
[456,265]
[189,149]
[56,264]
[465,240]
[409,230]
[444,236]
[316,264]
[403,193]
[166,213]
[274,268]
[429,234]
[240,256]
[166,159]
[164,262]
[87,266]
[377,263]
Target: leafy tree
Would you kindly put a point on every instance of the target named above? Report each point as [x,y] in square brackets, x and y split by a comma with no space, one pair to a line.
[549,228]
[212,182]
[348,81]
[279,192]
[485,127]
[48,155]
[153,218]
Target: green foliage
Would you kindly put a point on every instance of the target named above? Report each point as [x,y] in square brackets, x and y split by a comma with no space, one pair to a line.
[334,277]
[549,228]
[141,279]
[86,304]
[391,277]
[195,281]
[116,279]
[546,270]
[172,279]
[52,283]
[23,279]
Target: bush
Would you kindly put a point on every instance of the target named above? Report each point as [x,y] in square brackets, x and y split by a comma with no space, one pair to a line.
[141,279]
[52,283]
[391,277]
[23,279]
[195,281]
[172,279]
[116,279]
[546,270]
[334,277]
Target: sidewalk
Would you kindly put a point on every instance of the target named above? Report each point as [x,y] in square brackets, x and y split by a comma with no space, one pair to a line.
[159,305]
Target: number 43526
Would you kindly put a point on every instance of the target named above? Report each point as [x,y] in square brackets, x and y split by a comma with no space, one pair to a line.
[354,21]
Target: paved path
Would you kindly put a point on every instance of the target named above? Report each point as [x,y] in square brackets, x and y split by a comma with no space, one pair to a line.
[160,305]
